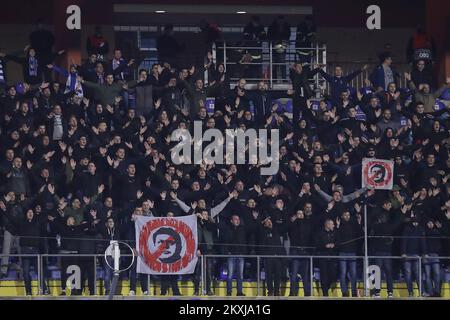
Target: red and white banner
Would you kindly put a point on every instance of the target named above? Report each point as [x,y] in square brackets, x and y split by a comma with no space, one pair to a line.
[377,173]
[166,245]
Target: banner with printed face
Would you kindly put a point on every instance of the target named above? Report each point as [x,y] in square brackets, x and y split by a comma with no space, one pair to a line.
[166,245]
[377,173]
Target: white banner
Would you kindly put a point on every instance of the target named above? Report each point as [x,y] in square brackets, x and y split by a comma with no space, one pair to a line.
[166,245]
[377,173]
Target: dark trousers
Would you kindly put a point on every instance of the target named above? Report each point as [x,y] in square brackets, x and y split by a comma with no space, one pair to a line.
[143,278]
[301,266]
[279,69]
[327,274]
[66,261]
[433,274]
[273,268]
[299,106]
[87,266]
[170,281]
[347,268]
[385,265]
[208,266]
[411,268]
[29,262]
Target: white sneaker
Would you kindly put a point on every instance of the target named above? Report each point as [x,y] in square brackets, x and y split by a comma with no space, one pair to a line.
[145,293]
[132,293]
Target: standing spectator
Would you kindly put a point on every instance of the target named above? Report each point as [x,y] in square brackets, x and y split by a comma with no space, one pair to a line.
[431,262]
[339,82]
[421,74]
[31,67]
[326,246]
[413,246]
[42,41]
[423,93]
[270,237]
[97,45]
[262,100]
[254,34]
[301,91]
[143,278]
[235,244]
[120,68]
[110,233]
[3,78]
[383,74]
[279,33]
[145,105]
[306,33]
[169,50]
[421,44]
[348,230]
[18,180]
[30,231]
[69,234]
[106,92]
[386,223]
[300,233]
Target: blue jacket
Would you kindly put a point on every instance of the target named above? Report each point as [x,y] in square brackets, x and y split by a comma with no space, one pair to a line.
[339,84]
[377,76]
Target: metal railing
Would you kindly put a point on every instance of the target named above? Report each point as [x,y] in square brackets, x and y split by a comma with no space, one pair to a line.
[313,270]
[272,63]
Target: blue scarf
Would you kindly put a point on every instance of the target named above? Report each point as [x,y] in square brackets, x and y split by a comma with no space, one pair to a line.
[33,65]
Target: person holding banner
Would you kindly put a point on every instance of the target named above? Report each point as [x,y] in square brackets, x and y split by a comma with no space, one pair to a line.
[133,274]
[206,226]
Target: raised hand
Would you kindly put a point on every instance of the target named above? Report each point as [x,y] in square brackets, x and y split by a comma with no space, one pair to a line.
[51,188]
[407,76]
[330,205]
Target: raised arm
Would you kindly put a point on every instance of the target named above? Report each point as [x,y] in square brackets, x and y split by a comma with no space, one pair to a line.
[352,196]
[323,194]
[183,205]
[218,209]
[59,70]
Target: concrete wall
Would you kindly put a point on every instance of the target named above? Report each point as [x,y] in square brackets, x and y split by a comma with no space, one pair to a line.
[351,44]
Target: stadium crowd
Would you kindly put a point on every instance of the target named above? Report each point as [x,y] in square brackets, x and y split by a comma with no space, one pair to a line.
[83,155]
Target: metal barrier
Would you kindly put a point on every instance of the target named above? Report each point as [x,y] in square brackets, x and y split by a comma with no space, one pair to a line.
[340,258]
[272,61]
[254,261]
